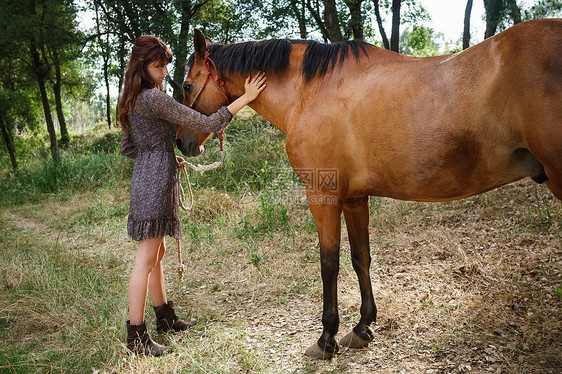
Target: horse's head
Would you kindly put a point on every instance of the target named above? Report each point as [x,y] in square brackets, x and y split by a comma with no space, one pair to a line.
[201,93]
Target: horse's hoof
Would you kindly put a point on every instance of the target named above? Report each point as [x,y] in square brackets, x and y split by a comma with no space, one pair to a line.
[352,340]
[318,353]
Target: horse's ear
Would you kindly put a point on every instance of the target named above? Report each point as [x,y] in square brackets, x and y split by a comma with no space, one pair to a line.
[199,44]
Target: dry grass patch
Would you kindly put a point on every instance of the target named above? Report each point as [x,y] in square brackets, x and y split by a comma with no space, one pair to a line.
[462,286]
[467,286]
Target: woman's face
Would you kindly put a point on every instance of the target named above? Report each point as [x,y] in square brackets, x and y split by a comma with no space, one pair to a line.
[157,71]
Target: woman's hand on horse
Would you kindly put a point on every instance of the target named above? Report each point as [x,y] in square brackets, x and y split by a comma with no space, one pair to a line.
[254,86]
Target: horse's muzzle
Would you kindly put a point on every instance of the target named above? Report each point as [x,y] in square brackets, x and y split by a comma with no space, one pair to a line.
[189,148]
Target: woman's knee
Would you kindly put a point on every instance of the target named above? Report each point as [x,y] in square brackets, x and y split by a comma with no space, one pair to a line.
[148,254]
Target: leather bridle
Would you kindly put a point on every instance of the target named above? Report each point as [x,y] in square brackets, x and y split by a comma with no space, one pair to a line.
[217,80]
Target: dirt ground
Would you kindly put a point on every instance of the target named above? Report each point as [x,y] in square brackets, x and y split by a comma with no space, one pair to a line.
[467,286]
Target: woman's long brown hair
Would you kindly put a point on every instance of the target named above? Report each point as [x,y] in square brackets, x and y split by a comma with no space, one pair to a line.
[146,50]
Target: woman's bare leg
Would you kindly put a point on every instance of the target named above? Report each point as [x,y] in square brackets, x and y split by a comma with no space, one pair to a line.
[145,261]
[156,279]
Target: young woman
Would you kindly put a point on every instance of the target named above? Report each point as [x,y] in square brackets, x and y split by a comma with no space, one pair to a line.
[147,116]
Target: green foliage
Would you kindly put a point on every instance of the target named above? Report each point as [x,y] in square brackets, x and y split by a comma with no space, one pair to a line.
[544,9]
[255,160]
[505,13]
[414,13]
[227,22]
[19,105]
[421,42]
[42,41]
[271,216]
[255,260]
[86,164]
[309,225]
[280,18]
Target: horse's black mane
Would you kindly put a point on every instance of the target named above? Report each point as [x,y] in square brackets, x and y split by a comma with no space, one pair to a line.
[272,56]
[320,58]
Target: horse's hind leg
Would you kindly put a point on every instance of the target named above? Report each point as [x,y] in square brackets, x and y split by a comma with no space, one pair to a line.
[552,162]
[356,214]
[546,146]
[555,186]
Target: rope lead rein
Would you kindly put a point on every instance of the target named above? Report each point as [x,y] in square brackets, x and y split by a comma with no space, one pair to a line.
[181,193]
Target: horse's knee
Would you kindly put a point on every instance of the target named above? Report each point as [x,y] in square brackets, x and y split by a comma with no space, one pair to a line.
[361,261]
[329,268]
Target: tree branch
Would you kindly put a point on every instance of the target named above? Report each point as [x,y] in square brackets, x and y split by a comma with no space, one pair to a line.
[318,19]
[379,23]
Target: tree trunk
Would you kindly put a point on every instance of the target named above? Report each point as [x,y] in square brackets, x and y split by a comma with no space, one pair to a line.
[41,72]
[227,29]
[122,53]
[107,96]
[106,52]
[65,138]
[49,120]
[9,145]
[122,56]
[180,51]
[300,16]
[316,15]
[104,47]
[395,36]
[466,33]
[493,10]
[187,11]
[356,19]
[332,22]
[379,23]
[513,11]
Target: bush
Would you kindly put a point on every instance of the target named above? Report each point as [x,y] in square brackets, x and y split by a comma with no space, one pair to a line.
[86,163]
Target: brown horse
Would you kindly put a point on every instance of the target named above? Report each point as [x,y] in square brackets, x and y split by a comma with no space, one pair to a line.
[362,121]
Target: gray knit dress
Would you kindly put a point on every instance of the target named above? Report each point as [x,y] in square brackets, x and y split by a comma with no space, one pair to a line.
[153,210]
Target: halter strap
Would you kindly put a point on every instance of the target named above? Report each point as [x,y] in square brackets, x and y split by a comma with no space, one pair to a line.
[217,81]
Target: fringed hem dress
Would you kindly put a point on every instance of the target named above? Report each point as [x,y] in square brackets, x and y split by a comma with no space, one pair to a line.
[153,210]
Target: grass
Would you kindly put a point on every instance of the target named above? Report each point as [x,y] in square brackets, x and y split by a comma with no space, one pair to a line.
[52,300]
[471,285]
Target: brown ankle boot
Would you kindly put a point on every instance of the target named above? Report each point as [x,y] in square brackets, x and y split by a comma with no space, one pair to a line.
[166,319]
[139,341]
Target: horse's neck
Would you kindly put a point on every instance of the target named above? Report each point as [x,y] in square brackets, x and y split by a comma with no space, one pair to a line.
[272,110]
[275,103]
[287,98]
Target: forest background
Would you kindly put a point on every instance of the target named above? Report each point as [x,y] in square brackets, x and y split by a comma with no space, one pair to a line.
[59,59]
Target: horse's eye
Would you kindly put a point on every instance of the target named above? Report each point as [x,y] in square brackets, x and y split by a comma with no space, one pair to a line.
[187,88]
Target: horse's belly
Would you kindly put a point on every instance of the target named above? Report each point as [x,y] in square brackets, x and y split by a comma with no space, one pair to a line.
[451,177]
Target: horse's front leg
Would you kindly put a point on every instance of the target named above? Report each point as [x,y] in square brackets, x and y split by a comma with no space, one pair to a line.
[326,212]
[356,213]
